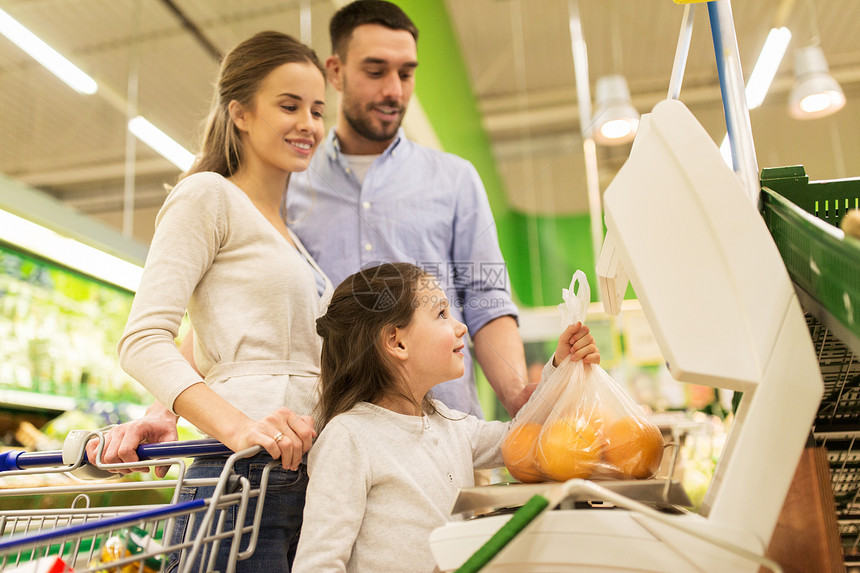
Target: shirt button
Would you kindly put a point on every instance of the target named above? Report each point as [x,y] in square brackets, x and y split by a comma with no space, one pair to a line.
[366,204]
[368,246]
[348,170]
[451,478]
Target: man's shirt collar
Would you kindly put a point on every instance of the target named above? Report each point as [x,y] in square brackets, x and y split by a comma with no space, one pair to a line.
[332,144]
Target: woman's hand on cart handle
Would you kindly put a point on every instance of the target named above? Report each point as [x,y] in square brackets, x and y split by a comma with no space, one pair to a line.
[121,442]
[284,434]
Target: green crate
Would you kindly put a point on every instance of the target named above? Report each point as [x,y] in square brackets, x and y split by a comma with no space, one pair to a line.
[803,217]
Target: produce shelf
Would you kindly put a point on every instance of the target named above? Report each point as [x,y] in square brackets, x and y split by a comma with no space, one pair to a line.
[837,428]
[803,217]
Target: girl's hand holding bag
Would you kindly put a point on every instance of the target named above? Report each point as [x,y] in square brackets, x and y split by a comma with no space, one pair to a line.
[580,423]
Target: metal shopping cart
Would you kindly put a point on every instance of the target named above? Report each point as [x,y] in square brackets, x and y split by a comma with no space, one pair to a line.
[75,538]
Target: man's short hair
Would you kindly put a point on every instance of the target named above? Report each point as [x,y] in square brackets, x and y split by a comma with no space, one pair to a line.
[362,12]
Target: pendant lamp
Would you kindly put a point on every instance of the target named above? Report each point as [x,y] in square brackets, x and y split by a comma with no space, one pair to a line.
[815,93]
[615,118]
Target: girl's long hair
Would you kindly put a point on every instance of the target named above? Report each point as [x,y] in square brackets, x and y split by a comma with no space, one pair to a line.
[242,71]
[354,365]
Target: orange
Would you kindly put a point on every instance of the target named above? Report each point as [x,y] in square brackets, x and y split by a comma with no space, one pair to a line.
[518,451]
[569,448]
[634,446]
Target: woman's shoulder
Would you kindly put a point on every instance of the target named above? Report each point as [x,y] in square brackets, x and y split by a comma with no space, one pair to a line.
[201,182]
[200,199]
[210,176]
[209,192]
[197,186]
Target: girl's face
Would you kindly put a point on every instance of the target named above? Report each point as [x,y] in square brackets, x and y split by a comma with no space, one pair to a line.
[285,124]
[434,343]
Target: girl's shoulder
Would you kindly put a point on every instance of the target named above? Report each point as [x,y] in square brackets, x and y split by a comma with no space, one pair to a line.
[455,418]
[348,418]
[367,418]
[446,412]
[349,426]
[357,415]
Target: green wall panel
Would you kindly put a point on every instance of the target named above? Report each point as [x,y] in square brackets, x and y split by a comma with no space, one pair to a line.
[560,247]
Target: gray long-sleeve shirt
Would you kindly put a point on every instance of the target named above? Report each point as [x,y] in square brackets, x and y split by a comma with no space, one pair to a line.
[382,481]
[251,298]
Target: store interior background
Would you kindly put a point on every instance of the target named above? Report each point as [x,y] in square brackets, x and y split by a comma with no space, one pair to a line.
[496,85]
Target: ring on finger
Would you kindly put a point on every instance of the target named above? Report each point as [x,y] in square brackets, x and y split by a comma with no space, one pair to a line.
[278,437]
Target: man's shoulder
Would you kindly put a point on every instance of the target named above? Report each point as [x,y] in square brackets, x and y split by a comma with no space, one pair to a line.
[438,156]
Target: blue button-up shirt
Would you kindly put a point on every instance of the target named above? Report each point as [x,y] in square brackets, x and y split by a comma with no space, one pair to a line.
[416,205]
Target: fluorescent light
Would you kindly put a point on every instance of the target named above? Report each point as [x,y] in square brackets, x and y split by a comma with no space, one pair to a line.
[69,252]
[766,65]
[161,142]
[761,77]
[46,55]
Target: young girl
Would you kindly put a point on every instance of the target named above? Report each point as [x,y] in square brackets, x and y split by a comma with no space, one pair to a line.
[222,251]
[386,468]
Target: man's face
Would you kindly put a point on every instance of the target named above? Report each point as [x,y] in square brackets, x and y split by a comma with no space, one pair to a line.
[376,80]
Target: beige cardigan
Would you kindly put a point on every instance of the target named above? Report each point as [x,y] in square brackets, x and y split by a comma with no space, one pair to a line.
[251,299]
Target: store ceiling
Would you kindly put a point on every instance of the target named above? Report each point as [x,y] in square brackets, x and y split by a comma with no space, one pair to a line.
[517,54]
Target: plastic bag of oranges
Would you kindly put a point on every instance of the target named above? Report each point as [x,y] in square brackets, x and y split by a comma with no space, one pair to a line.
[580,423]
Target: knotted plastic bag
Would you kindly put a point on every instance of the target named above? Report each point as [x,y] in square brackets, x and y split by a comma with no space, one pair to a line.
[580,423]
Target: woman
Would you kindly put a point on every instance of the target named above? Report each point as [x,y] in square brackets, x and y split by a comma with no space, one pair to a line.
[222,251]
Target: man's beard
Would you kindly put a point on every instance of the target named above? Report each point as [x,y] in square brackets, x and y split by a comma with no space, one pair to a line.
[363,125]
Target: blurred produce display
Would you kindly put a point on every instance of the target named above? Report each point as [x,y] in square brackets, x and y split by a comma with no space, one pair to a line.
[58,332]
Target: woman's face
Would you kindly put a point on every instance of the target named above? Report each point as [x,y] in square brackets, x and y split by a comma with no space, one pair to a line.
[285,125]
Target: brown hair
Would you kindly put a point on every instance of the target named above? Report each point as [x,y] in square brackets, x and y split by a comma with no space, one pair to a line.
[354,366]
[242,71]
[363,12]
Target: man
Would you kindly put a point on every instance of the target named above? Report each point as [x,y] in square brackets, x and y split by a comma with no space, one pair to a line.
[372,195]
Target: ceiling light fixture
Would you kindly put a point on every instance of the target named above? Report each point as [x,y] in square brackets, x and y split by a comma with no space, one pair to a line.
[815,92]
[765,67]
[615,118]
[159,141]
[47,243]
[761,77]
[46,55]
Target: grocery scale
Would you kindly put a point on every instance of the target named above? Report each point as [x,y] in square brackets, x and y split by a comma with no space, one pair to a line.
[724,312]
[683,230]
